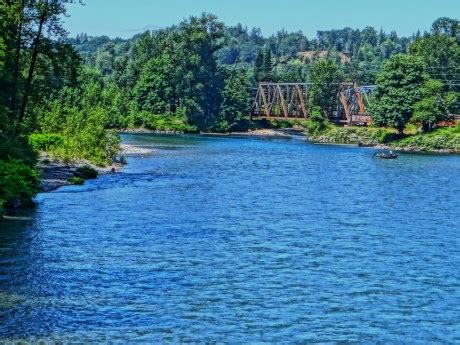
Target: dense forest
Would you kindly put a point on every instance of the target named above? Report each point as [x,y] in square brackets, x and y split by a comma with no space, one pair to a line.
[69,96]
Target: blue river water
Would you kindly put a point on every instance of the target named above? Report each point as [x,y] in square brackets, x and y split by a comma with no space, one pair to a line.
[240,240]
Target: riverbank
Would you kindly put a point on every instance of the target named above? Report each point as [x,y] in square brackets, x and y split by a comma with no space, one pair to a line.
[439,141]
[56,174]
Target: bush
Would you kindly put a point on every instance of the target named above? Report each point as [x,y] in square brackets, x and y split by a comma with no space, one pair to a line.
[17,182]
[166,123]
[440,139]
[87,172]
[45,142]
[76,180]
[279,124]
[16,148]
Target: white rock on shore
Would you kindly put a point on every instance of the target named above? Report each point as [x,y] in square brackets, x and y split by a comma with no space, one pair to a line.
[129,149]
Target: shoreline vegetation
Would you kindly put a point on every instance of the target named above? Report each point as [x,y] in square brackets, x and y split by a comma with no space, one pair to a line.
[55,172]
[72,97]
[441,140]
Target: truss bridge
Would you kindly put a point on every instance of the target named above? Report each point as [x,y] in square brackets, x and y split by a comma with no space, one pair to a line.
[290,101]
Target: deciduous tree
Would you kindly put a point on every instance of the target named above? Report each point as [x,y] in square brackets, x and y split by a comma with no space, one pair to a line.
[399,88]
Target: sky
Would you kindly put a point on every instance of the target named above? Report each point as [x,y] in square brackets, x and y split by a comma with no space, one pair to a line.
[124,18]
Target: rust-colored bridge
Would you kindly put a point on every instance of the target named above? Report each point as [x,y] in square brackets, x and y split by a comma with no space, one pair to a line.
[290,101]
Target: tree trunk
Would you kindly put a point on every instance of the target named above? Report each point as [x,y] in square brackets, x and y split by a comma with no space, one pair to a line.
[17,60]
[30,76]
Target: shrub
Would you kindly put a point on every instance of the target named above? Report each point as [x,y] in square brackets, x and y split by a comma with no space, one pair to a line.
[87,172]
[176,123]
[45,142]
[440,139]
[16,148]
[76,180]
[17,182]
[279,124]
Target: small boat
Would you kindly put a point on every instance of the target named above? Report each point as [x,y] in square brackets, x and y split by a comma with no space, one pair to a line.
[386,155]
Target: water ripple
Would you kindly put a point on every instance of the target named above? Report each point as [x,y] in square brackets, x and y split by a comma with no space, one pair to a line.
[240,240]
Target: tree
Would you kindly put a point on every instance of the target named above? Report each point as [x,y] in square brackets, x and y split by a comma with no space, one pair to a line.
[325,78]
[434,105]
[267,66]
[441,53]
[154,91]
[47,18]
[236,100]
[399,88]
[448,26]
[259,67]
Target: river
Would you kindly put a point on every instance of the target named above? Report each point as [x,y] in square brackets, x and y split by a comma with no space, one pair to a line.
[240,239]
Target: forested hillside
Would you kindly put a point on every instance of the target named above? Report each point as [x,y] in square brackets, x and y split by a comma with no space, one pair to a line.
[367,48]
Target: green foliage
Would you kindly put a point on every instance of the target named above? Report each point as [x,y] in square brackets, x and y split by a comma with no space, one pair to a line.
[439,139]
[16,148]
[236,101]
[87,172]
[17,182]
[317,122]
[279,123]
[155,90]
[398,89]
[259,75]
[45,142]
[325,77]
[80,118]
[434,105]
[441,53]
[447,26]
[328,132]
[76,180]
[175,123]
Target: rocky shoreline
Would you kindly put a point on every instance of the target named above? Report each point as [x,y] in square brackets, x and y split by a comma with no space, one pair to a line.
[56,174]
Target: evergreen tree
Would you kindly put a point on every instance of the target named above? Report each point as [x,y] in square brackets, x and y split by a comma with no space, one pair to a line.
[259,67]
[267,67]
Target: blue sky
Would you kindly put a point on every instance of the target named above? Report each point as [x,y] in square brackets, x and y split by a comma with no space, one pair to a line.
[124,18]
